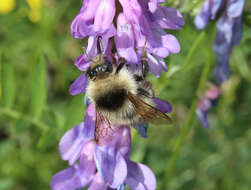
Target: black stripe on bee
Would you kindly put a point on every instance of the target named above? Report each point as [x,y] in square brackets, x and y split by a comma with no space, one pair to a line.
[113,100]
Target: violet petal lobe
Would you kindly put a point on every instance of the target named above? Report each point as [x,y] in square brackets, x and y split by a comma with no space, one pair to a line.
[89,9]
[163,105]
[154,65]
[79,85]
[140,177]
[112,168]
[125,39]
[235,8]
[168,18]
[202,19]
[90,122]
[68,179]
[79,28]
[104,15]
[142,129]
[97,183]
[86,162]
[72,142]
[171,43]
[110,156]
[202,115]
[82,62]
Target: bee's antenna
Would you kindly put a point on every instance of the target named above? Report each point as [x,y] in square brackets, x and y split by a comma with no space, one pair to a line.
[100,47]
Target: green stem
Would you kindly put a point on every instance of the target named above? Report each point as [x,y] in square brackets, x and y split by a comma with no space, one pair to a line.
[193,50]
[187,126]
[17,115]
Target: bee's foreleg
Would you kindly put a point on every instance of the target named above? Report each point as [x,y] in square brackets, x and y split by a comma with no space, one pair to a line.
[145,67]
[122,62]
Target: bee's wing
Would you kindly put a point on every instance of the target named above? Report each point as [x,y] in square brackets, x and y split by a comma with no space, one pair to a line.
[103,127]
[148,112]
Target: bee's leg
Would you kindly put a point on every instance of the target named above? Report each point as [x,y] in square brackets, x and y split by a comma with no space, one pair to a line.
[122,62]
[144,66]
[100,48]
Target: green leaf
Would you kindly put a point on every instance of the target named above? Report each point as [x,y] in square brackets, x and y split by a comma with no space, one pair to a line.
[7,83]
[6,183]
[38,87]
[75,112]
[47,139]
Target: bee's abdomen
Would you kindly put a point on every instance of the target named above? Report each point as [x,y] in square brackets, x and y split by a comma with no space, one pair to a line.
[113,100]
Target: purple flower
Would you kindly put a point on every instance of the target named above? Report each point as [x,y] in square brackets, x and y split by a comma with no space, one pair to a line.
[102,165]
[208,100]
[140,25]
[229,31]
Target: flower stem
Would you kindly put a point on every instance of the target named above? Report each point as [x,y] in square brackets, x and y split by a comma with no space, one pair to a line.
[193,50]
[188,123]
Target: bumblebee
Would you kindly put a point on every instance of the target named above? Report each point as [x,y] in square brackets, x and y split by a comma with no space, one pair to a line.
[120,97]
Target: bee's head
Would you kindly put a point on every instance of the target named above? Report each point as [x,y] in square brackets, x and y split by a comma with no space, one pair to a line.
[99,71]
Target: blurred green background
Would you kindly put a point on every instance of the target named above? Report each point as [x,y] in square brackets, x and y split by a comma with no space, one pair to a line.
[37,54]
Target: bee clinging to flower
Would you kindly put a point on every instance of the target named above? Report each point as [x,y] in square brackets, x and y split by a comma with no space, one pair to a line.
[120,97]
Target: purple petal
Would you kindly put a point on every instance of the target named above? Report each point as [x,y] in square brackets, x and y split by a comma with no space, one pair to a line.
[216,5]
[142,129]
[79,27]
[86,162]
[69,179]
[86,100]
[171,43]
[235,8]
[112,168]
[72,142]
[82,62]
[222,69]
[202,19]
[161,52]
[125,39]
[110,157]
[152,5]
[79,85]
[163,64]
[97,184]
[202,116]
[104,15]
[163,105]
[204,104]
[237,31]
[140,177]
[168,18]
[213,92]
[90,122]
[89,9]
[154,65]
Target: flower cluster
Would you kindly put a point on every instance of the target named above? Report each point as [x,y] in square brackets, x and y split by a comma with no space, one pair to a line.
[126,26]
[129,29]
[229,34]
[229,31]
[102,165]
